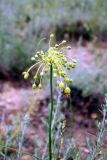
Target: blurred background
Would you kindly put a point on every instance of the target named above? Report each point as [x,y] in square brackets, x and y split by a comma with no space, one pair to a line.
[23,24]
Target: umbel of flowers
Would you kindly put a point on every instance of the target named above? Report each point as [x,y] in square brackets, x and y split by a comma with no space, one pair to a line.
[56,63]
[60,63]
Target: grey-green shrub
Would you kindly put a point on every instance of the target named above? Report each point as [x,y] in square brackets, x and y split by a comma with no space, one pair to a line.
[24,23]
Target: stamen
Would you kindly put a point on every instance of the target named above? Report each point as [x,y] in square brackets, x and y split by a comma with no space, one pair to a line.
[38,69]
[33,66]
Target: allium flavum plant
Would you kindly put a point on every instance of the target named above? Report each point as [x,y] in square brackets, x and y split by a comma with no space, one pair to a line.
[55,62]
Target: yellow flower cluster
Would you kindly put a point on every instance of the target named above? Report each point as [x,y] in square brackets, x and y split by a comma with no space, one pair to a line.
[53,56]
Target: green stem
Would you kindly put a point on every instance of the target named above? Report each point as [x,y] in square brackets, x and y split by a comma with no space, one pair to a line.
[51,113]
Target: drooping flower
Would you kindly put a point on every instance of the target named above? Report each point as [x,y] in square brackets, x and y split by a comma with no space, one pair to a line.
[53,56]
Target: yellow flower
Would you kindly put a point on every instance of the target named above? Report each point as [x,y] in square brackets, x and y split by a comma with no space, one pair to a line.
[53,56]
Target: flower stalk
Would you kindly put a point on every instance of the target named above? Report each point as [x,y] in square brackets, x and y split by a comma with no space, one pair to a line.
[51,112]
[56,63]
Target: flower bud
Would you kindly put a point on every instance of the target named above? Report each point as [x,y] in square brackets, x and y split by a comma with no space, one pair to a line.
[41,74]
[61,85]
[54,75]
[34,86]
[38,52]
[40,86]
[35,77]
[73,65]
[56,45]
[52,35]
[67,80]
[74,60]
[26,75]
[33,58]
[65,59]
[67,90]
[36,56]
[68,47]
[64,41]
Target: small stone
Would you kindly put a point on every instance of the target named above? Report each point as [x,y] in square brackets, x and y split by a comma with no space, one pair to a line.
[26,157]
